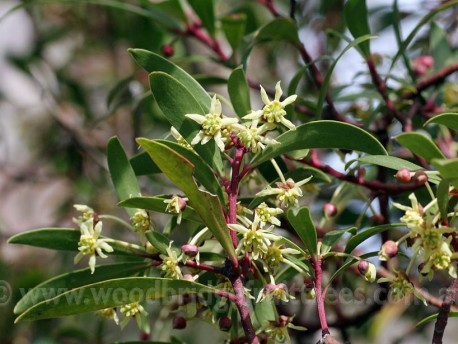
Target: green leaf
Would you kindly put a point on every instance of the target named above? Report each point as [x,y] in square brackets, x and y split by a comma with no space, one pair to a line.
[75,279]
[239,92]
[157,204]
[205,10]
[389,162]
[443,197]
[143,165]
[332,237]
[180,171]
[281,29]
[439,45]
[122,173]
[152,62]
[434,317]
[111,293]
[367,233]
[175,100]
[66,239]
[160,242]
[322,134]
[234,28]
[302,223]
[448,169]
[421,145]
[450,120]
[355,12]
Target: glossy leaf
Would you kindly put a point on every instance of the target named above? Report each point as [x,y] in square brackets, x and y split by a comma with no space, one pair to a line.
[180,171]
[234,28]
[322,134]
[421,145]
[355,12]
[75,279]
[450,120]
[157,204]
[448,169]
[152,62]
[160,242]
[389,162]
[362,236]
[205,10]
[111,293]
[332,237]
[122,173]
[176,101]
[66,239]
[281,29]
[302,223]
[239,92]
[143,165]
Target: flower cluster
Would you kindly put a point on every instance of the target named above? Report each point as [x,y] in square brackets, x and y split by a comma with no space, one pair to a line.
[251,133]
[429,236]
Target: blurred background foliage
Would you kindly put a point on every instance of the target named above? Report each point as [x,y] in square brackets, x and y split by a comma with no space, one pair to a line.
[69,84]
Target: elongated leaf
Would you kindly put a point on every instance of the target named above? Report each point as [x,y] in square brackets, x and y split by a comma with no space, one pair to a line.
[66,239]
[75,279]
[302,223]
[327,79]
[205,10]
[239,92]
[439,45]
[322,134]
[355,12]
[389,162]
[434,317]
[367,233]
[152,62]
[111,293]
[180,171]
[175,100]
[448,169]
[160,242]
[143,165]
[234,28]
[450,120]
[122,173]
[157,204]
[420,145]
[442,197]
[332,237]
[281,29]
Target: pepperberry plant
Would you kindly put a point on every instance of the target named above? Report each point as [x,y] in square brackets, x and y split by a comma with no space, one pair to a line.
[264,223]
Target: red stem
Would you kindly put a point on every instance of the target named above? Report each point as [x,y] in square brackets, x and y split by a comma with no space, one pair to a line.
[244,311]
[317,265]
[195,29]
[233,189]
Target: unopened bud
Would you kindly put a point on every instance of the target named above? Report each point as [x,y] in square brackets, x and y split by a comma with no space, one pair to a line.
[422,64]
[179,323]
[167,50]
[420,176]
[403,175]
[389,250]
[225,323]
[188,277]
[329,209]
[283,320]
[190,250]
[367,270]
[377,219]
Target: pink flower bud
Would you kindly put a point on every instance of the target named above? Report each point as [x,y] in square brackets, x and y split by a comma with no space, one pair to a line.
[190,250]
[422,64]
[389,250]
[167,50]
[420,177]
[403,175]
[329,209]
[179,323]
[225,324]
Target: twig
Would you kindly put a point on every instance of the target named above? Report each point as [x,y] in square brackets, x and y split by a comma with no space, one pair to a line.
[444,311]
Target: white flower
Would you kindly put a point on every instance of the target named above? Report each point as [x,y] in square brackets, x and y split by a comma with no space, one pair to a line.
[274,111]
[87,213]
[109,313]
[133,310]
[170,264]
[176,205]
[264,214]
[90,244]
[413,216]
[140,221]
[213,124]
[287,192]
[274,291]
[180,139]
[253,136]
